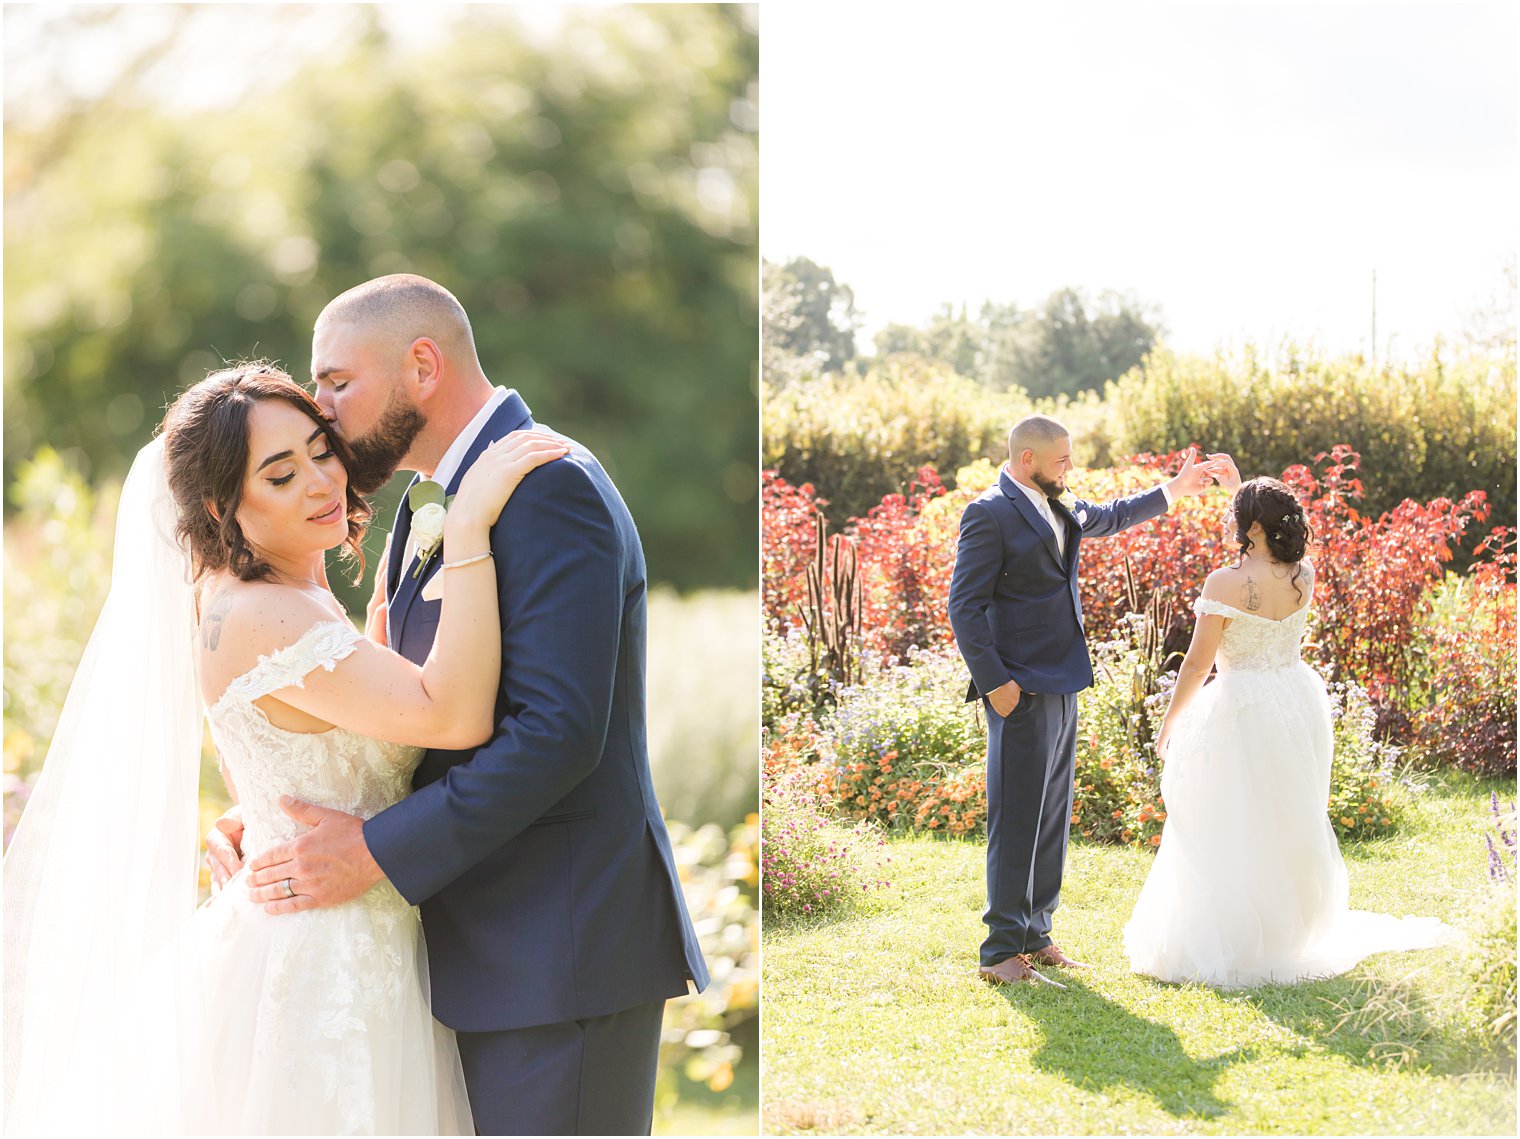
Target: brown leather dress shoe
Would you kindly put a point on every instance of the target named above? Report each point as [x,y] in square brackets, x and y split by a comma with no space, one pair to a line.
[1014,970]
[1052,955]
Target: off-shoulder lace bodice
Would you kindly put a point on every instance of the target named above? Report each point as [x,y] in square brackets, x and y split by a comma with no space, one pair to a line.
[322,1025]
[1255,643]
[336,768]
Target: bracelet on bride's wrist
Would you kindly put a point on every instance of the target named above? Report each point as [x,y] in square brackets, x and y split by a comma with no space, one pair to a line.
[467,561]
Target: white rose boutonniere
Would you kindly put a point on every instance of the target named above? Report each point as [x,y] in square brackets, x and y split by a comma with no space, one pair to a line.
[429,509]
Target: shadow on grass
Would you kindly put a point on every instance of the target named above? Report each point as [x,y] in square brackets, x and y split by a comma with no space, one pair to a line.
[1376,1022]
[1095,1044]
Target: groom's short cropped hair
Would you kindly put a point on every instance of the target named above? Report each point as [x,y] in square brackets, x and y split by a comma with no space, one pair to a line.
[403,307]
[1034,431]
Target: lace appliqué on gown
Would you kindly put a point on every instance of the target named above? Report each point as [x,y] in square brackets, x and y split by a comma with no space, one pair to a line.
[315,1022]
[1249,886]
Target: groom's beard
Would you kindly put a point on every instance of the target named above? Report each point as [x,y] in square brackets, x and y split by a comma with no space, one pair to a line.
[377,454]
[1050,488]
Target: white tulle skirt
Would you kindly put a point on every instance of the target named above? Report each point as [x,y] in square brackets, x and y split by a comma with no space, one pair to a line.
[1248,887]
[314,1023]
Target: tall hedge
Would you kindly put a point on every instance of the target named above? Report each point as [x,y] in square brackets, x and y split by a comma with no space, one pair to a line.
[1439,429]
[1427,431]
[857,438]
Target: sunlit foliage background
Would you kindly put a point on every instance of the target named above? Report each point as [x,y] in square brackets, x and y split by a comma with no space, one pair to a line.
[187,184]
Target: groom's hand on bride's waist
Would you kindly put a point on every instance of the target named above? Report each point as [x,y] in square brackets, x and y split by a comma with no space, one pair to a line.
[328,865]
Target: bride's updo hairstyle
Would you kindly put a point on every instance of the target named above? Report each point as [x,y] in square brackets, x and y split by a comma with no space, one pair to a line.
[1276,507]
[206,447]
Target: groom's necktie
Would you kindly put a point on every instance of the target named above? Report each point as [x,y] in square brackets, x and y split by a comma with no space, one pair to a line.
[1057,527]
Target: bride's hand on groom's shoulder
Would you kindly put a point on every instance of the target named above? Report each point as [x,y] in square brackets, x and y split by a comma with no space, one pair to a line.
[492,478]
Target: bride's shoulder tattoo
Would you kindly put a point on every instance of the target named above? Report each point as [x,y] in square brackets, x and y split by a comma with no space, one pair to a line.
[1252,595]
[211,627]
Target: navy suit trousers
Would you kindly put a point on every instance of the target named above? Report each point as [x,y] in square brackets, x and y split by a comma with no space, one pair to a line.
[577,1077]
[1031,760]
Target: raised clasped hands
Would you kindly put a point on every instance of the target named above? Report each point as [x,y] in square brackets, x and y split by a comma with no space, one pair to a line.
[1196,477]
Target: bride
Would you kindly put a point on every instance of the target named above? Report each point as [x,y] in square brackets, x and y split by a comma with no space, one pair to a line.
[1248,887]
[128,1010]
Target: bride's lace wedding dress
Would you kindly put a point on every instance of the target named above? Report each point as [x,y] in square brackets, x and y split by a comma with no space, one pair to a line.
[130,1010]
[1248,886]
[312,1023]
[315,1022]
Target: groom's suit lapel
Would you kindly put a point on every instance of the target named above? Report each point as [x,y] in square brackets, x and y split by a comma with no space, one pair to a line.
[1015,494]
[512,415]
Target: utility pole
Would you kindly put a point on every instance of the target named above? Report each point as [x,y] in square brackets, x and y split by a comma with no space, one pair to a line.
[1374,317]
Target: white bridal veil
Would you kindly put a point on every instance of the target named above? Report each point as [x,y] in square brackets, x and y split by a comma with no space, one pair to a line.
[102,869]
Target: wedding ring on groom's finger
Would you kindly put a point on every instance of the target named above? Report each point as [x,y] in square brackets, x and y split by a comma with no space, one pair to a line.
[290,890]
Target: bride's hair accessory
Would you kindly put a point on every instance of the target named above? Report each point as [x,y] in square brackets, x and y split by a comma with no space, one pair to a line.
[1272,504]
[205,436]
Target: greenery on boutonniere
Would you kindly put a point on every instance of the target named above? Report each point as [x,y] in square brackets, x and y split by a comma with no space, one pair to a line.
[429,509]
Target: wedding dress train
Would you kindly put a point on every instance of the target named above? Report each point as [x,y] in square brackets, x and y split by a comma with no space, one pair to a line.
[1248,886]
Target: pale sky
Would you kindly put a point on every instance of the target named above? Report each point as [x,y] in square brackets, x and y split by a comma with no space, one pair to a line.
[1246,166]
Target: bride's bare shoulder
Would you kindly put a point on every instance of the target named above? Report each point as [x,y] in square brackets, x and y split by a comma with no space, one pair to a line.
[241,621]
[1224,583]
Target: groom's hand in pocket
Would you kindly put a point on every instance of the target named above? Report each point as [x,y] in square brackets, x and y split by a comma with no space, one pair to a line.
[328,865]
[1005,699]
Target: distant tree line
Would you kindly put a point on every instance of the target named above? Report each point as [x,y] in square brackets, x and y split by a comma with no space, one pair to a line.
[1070,343]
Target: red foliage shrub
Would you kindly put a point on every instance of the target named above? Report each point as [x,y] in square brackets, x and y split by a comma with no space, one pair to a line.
[905,575]
[1470,720]
[1172,553]
[1372,575]
[788,544]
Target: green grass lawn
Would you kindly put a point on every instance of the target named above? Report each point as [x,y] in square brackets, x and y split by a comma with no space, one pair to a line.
[876,1022]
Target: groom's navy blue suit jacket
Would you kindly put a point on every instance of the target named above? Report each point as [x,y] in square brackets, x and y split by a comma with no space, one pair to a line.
[540,859]
[1014,604]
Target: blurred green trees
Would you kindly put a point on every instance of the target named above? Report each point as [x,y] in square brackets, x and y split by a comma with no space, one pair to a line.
[809,316]
[586,190]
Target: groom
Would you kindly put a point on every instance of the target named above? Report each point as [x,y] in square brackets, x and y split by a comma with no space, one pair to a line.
[1017,617]
[555,924]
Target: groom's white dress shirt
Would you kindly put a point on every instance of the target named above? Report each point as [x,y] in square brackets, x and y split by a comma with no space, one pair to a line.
[1042,504]
[449,464]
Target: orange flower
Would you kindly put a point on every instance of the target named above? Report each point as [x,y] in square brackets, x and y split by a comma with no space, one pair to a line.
[1118,814]
[1347,820]
[1384,821]
[1155,840]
